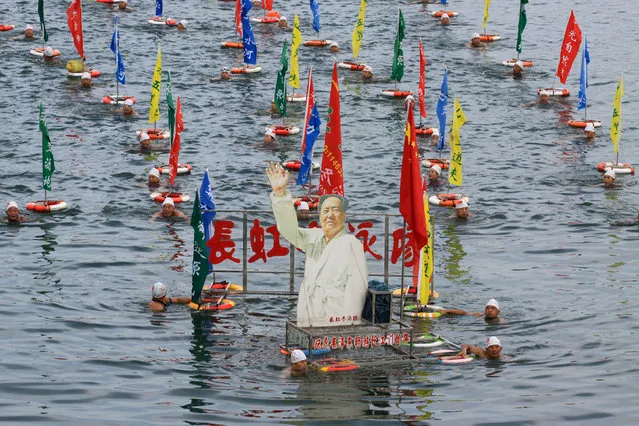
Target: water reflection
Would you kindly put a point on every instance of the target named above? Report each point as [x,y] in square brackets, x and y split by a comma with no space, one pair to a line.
[451,264]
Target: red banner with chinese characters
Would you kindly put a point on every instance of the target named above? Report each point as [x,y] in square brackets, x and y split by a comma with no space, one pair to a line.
[74,20]
[569,48]
[332,174]
[267,4]
[238,17]
[175,147]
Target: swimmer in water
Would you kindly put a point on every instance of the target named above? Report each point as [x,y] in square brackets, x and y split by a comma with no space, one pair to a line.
[160,300]
[492,350]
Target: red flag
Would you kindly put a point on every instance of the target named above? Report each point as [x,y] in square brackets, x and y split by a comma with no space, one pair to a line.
[267,4]
[411,196]
[175,146]
[74,20]
[332,175]
[569,48]
[238,17]
[421,90]
[310,103]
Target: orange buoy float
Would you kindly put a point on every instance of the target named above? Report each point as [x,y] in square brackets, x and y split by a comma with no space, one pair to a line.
[491,37]
[334,365]
[158,20]
[221,287]
[176,196]
[317,43]
[39,51]
[313,201]
[583,123]
[284,130]
[47,206]
[212,306]
[396,93]
[430,162]
[622,168]
[296,165]
[296,97]
[439,13]
[561,91]
[182,169]
[447,200]
[353,66]
[155,134]
[6,27]
[245,70]
[271,17]
[424,131]
[232,44]
[511,62]
[115,100]
[93,73]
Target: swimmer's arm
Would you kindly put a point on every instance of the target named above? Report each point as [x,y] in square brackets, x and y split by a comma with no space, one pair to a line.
[180,300]
[475,350]
[453,312]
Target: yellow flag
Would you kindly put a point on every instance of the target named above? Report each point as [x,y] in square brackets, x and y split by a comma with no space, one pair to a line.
[358,32]
[455,172]
[486,14]
[426,260]
[294,77]
[154,111]
[615,127]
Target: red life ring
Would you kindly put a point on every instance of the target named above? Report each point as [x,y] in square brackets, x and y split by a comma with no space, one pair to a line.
[93,73]
[622,168]
[272,17]
[155,134]
[313,202]
[245,70]
[396,93]
[296,165]
[490,37]
[176,196]
[213,306]
[273,13]
[42,206]
[447,200]
[450,13]
[430,162]
[158,20]
[220,287]
[317,43]
[511,62]
[330,365]
[111,99]
[351,66]
[39,51]
[425,131]
[182,169]
[284,130]
[7,27]
[232,44]
[561,91]
[582,123]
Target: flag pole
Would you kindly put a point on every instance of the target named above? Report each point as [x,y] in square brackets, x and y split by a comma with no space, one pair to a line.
[403,295]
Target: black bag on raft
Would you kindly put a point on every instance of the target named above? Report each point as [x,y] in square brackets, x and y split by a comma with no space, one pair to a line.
[377,308]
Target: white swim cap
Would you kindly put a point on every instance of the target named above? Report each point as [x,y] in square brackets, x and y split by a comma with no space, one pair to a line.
[128,102]
[444,16]
[476,35]
[225,69]
[492,302]
[461,205]
[283,18]
[11,204]
[492,341]
[409,98]
[28,27]
[270,132]
[48,51]
[435,132]
[589,127]
[183,22]
[158,290]
[334,43]
[297,356]
[86,75]
[303,206]
[368,68]
[520,64]
[168,200]
[611,173]
[437,168]
[154,172]
[144,136]
[544,93]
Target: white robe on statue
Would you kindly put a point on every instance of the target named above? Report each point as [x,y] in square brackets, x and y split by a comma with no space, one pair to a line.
[335,282]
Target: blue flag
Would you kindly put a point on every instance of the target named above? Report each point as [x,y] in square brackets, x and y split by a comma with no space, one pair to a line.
[119,70]
[158,7]
[316,15]
[444,2]
[312,132]
[207,203]
[115,47]
[442,102]
[250,48]
[583,78]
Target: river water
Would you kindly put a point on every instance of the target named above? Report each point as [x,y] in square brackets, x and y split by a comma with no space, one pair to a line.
[79,345]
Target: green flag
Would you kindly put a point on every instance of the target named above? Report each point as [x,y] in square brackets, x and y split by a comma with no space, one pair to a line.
[280,85]
[522,23]
[48,165]
[200,262]
[171,106]
[398,59]
[45,35]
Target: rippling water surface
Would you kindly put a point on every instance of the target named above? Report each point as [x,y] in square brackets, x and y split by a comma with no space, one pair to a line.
[79,345]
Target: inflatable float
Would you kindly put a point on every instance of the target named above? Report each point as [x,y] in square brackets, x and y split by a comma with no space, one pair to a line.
[296,165]
[296,97]
[583,123]
[272,17]
[353,66]
[334,365]
[155,134]
[313,202]
[232,44]
[447,200]
[487,38]
[430,162]
[439,13]
[245,70]
[182,169]
[94,73]
[561,91]
[424,131]
[622,168]
[448,356]
[220,287]
[284,130]
[396,93]
[158,20]
[39,51]
[176,196]
[222,305]
[511,62]
[116,100]
[317,43]
[47,206]
[6,27]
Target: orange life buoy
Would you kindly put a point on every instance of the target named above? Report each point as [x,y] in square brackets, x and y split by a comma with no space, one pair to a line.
[313,202]
[7,27]
[561,91]
[351,66]
[490,37]
[213,306]
[273,13]
[292,165]
[396,93]
[155,133]
[42,206]
[182,169]
[232,44]
[622,168]
[430,162]
[93,73]
[511,62]
[450,13]
[158,20]
[245,70]
[330,365]
[39,51]
[284,130]
[176,196]
[296,97]
[220,287]
[425,131]
[113,100]
[447,200]
[317,43]
[583,123]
